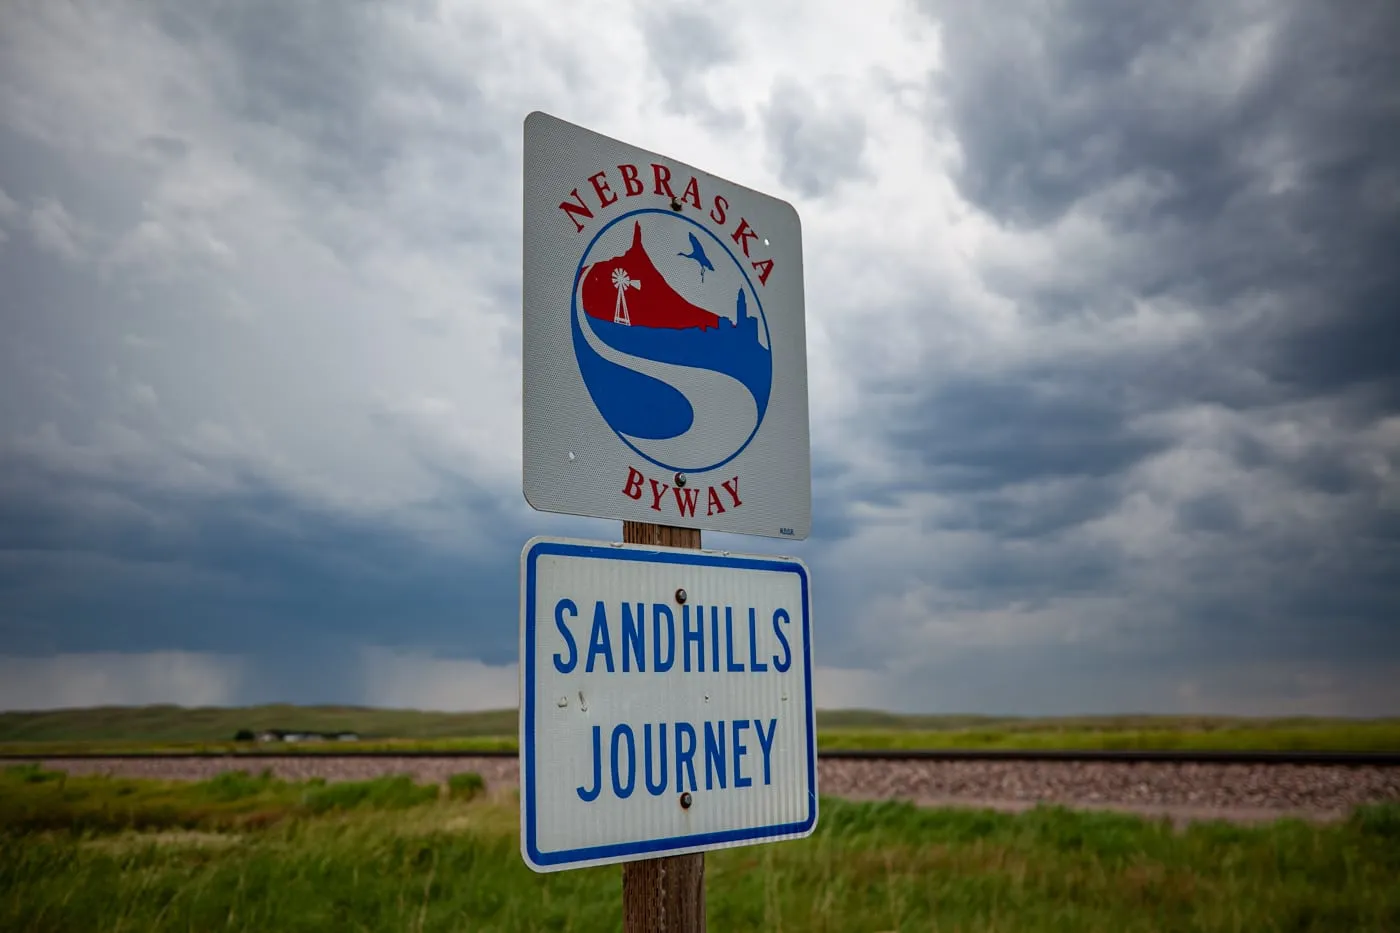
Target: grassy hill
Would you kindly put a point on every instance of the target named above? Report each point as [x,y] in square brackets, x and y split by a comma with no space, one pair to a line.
[218,724]
[165,727]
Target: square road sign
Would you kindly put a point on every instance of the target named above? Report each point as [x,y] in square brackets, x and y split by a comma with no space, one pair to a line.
[666,702]
[664,341]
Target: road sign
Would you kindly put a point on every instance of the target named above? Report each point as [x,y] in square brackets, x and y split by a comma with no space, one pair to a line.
[664,341]
[666,702]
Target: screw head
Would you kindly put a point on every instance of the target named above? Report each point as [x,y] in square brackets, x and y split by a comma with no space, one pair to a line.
[685,800]
[675,204]
[681,596]
[680,479]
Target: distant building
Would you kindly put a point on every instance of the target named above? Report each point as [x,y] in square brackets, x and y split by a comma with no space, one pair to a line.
[283,735]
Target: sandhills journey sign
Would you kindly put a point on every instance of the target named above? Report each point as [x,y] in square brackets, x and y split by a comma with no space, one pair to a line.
[664,344]
[666,702]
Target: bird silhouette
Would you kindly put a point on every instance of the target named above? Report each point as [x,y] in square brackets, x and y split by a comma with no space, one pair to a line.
[697,252]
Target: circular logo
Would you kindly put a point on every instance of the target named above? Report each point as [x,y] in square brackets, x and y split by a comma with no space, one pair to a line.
[671,340]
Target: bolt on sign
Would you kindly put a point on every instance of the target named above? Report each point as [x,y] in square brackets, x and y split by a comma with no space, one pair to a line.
[666,702]
[664,341]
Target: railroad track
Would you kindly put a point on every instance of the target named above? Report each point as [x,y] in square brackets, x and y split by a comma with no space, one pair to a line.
[1181,784]
[1163,756]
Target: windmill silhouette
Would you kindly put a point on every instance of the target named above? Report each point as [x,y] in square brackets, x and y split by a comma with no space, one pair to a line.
[621,281]
[697,252]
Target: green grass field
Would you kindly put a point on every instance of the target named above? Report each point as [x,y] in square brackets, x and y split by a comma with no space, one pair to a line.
[249,853]
[170,728]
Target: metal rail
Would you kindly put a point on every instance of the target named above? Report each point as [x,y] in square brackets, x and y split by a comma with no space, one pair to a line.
[1125,756]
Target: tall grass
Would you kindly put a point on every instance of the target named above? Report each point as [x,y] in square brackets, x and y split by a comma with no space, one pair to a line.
[165,723]
[1381,735]
[385,863]
[33,800]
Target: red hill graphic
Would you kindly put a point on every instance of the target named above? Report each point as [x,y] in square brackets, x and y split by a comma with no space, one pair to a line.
[646,300]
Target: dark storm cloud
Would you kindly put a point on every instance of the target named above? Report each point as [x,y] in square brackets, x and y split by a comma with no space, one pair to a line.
[1270,138]
[816,145]
[1211,512]
[114,563]
[1050,100]
[117,531]
[169,147]
[308,68]
[1244,166]
[1278,192]
[1056,506]
[685,43]
[326,75]
[1161,508]
[994,432]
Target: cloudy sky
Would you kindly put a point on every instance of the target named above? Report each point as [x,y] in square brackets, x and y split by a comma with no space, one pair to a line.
[1103,334]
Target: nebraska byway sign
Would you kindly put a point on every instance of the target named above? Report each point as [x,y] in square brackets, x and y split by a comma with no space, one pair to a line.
[664,342]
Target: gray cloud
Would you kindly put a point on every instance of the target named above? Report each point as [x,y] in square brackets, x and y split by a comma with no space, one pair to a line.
[1212,511]
[1229,489]
[111,562]
[685,43]
[118,679]
[977,433]
[1232,99]
[1107,417]
[1262,151]
[816,146]
[1244,151]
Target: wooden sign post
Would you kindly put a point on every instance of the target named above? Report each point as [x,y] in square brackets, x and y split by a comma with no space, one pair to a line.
[663,895]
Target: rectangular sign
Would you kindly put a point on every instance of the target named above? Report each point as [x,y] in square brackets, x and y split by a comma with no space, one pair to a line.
[664,341]
[666,702]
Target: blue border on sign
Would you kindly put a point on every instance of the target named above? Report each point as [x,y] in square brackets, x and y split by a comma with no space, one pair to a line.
[654,846]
